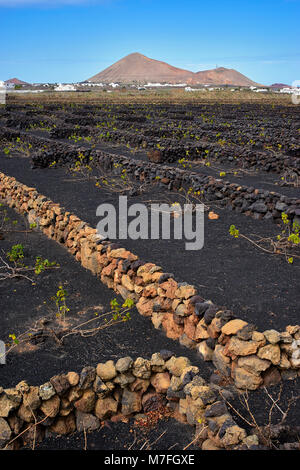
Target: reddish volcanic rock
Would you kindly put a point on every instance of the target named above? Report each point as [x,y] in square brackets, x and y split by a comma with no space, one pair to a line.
[139,68]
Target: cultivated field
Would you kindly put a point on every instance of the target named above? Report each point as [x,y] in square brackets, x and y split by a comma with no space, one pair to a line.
[224,319]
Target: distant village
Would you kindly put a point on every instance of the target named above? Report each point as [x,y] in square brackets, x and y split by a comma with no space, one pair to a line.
[136,71]
[16,85]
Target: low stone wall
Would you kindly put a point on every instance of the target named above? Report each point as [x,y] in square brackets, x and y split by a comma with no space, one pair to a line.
[249,357]
[257,203]
[81,402]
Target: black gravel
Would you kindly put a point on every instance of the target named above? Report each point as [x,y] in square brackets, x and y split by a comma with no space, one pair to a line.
[259,288]
[23,303]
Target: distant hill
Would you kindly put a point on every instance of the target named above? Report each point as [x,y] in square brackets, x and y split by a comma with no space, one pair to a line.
[15,81]
[279,85]
[223,76]
[139,68]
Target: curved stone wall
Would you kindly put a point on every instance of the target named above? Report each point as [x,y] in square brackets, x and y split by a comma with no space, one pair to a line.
[74,401]
[249,357]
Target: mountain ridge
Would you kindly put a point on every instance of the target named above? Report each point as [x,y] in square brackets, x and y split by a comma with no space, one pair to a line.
[139,68]
[15,81]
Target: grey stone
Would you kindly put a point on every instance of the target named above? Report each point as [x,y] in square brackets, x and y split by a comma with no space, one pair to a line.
[86,421]
[131,402]
[46,391]
[259,207]
[216,409]
[124,364]
[87,377]
[5,432]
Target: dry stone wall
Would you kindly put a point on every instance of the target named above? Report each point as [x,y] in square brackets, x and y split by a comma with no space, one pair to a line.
[251,358]
[71,402]
[257,203]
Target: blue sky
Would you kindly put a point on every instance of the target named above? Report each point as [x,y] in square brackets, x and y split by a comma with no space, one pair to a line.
[71,40]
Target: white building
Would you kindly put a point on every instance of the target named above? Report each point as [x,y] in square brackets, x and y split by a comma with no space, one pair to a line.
[188,88]
[290,91]
[9,85]
[2,92]
[62,87]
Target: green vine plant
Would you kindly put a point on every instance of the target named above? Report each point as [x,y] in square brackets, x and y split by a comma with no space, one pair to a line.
[12,266]
[189,196]
[43,264]
[117,184]
[82,166]
[7,224]
[290,178]
[118,313]
[60,301]
[22,147]
[43,126]
[193,197]
[184,162]
[196,196]
[286,243]
[16,254]
[7,149]
[75,138]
